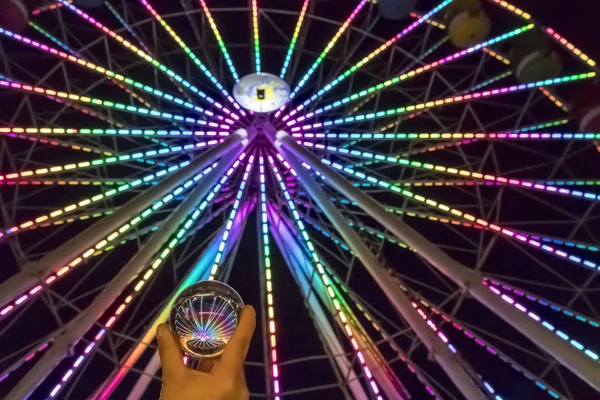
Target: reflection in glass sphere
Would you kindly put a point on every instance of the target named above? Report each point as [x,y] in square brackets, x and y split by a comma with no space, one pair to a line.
[205,316]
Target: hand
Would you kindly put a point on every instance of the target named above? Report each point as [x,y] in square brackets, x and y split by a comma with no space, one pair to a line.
[218,379]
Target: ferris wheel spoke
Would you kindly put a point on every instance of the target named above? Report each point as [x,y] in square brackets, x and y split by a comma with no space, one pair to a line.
[290,52]
[193,57]
[256,35]
[323,54]
[110,132]
[166,237]
[361,63]
[53,276]
[507,233]
[372,265]
[217,34]
[146,57]
[411,74]
[110,160]
[110,319]
[437,103]
[200,272]
[294,255]
[527,184]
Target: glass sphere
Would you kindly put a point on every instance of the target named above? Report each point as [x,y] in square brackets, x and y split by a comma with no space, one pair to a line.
[204,316]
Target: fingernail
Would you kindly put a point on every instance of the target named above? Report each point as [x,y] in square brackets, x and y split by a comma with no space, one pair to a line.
[159,331]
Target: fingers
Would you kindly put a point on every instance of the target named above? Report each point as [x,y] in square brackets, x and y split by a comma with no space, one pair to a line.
[169,351]
[235,352]
[206,366]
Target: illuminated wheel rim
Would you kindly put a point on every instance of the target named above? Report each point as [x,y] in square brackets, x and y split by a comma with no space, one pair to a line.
[491,171]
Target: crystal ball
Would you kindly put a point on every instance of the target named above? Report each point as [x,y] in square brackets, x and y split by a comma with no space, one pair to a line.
[204,316]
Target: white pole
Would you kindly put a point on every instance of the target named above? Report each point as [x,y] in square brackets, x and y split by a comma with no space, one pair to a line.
[449,362]
[69,335]
[467,279]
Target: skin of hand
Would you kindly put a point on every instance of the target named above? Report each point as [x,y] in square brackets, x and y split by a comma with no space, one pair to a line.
[218,379]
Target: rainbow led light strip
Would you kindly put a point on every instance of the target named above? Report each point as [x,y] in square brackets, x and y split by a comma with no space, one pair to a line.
[288,56]
[594,356]
[145,278]
[268,278]
[362,62]
[121,132]
[215,30]
[569,46]
[53,277]
[324,53]
[255,35]
[418,71]
[110,104]
[369,318]
[437,103]
[110,160]
[127,26]
[91,200]
[453,171]
[234,210]
[513,9]
[60,143]
[48,7]
[192,56]
[490,349]
[506,232]
[326,281]
[446,318]
[52,38]
[140,53]
[549,304]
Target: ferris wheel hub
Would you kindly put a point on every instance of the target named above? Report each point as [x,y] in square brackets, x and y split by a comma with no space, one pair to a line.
[261,92]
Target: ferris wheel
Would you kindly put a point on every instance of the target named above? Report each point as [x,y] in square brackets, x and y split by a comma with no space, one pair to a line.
[406,192]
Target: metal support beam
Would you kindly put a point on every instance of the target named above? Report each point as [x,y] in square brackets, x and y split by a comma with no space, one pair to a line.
[33,272]
[468,280]
[72,333]
[201,271]
[449,362]
[295,258]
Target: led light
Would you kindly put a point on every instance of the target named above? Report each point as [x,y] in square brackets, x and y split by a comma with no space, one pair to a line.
[215,30]
[288,56]
[361,63]
[449,100]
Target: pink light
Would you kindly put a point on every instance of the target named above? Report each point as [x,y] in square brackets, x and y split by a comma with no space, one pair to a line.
[21,299]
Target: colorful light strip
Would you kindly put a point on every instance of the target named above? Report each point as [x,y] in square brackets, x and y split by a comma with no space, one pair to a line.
[288,56]
[121,132]
[215,30]
[48,7]
[111,160]
[454,171]
[110,105]
[513,9]
[127,26]
[431,22]
[441,102]
[192,56]
[56,275]
[140,53]
[256,36]
[91,200]
[512,234]
[60,143]
[546,303]
[569,46]
[410,74]
[365,60]
[316,260]
[268,279]
[164,253]
[234,210]
[430,388]
[480,342]
[329,46]
[591,354]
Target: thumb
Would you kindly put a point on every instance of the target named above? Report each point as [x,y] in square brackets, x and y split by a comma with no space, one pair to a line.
[169,351]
